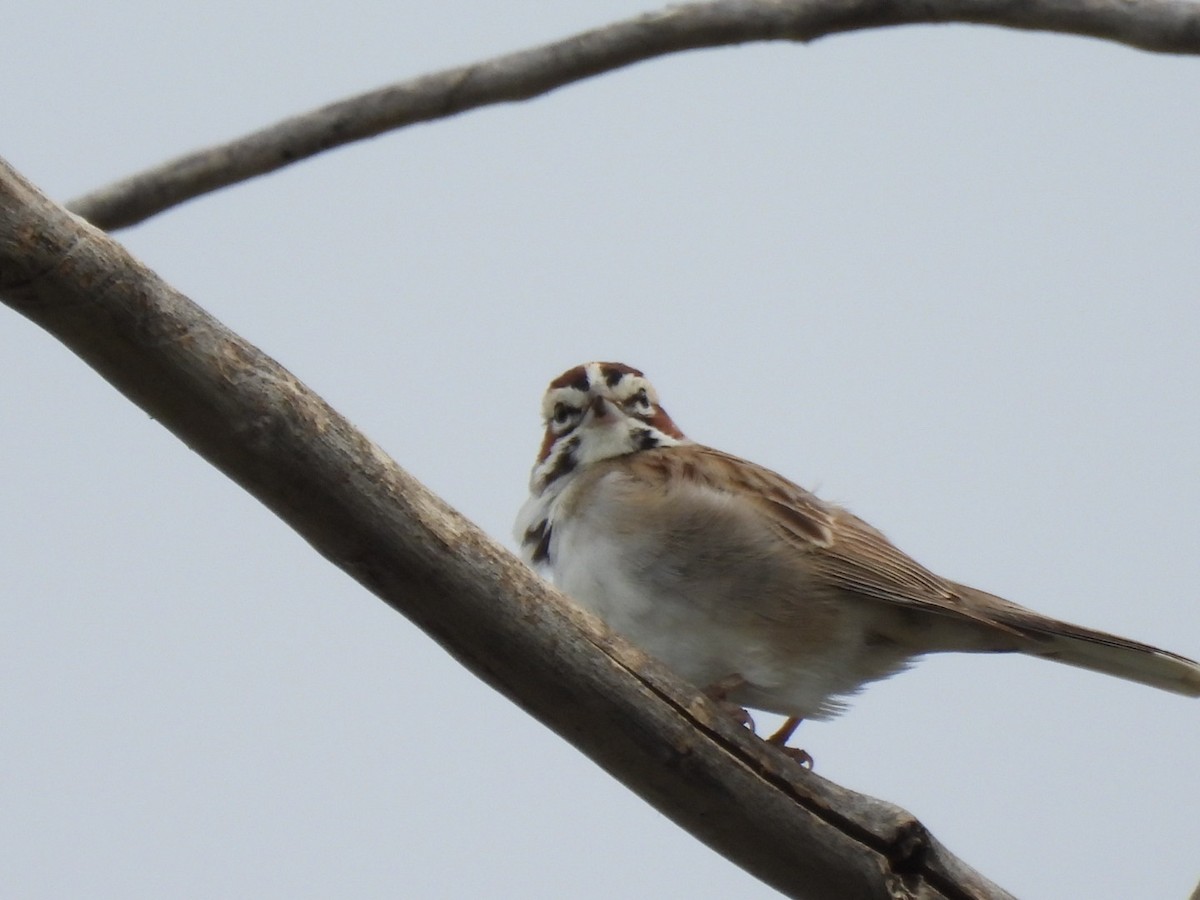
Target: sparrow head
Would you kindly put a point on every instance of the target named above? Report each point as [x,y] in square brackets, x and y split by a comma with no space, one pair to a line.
[597,411]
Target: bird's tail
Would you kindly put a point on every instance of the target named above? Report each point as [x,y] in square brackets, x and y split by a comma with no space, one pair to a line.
[1039,635]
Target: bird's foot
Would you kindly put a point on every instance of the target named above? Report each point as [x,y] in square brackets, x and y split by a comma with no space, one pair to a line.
[780,739]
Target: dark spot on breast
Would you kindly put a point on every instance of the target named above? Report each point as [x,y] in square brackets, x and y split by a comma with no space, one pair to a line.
[538,534]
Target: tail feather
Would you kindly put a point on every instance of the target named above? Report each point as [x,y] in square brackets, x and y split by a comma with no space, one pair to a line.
[1089,649]
[1125,659]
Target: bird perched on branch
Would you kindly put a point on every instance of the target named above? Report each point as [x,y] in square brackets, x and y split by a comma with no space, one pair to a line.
[748,585]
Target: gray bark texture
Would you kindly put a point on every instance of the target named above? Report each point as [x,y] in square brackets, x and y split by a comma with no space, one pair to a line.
[262,427]
[1164,26]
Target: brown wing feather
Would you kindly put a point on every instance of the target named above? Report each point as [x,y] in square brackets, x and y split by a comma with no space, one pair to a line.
[847,552]
[856,559]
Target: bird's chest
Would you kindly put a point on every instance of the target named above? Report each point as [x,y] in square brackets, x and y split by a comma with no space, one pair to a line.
[622,576]
[671,578]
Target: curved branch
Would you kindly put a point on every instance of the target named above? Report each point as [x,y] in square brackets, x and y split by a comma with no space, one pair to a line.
[257,423]
[1167,26]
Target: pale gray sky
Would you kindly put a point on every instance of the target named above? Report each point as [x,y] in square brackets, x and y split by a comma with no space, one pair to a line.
[947,276]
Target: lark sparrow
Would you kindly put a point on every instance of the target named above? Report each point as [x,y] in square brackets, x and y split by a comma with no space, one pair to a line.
[747,584]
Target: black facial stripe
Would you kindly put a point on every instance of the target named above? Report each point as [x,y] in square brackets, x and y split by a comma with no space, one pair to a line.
[580,383]
[645,439]
[613,377]
[565,461]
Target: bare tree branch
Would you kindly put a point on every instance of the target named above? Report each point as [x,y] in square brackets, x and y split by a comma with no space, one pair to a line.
[1166,26]
[257,423]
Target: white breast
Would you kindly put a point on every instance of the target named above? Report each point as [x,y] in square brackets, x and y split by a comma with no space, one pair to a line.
[693,580]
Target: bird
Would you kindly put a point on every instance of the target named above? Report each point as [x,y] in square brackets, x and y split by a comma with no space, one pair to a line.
[747,585]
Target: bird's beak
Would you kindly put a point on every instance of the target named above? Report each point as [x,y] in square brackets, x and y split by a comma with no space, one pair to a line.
[600,409]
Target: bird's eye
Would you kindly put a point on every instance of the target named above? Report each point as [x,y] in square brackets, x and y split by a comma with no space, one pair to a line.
[562,413]
[641,398]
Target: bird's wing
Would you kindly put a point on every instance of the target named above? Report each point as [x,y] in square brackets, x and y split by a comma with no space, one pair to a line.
[842,550]
[851,557]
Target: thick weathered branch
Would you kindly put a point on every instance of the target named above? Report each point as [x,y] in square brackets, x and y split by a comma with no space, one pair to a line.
[256,422]
[1167,26]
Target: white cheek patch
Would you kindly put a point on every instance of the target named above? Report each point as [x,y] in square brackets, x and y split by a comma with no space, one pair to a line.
[603,442]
